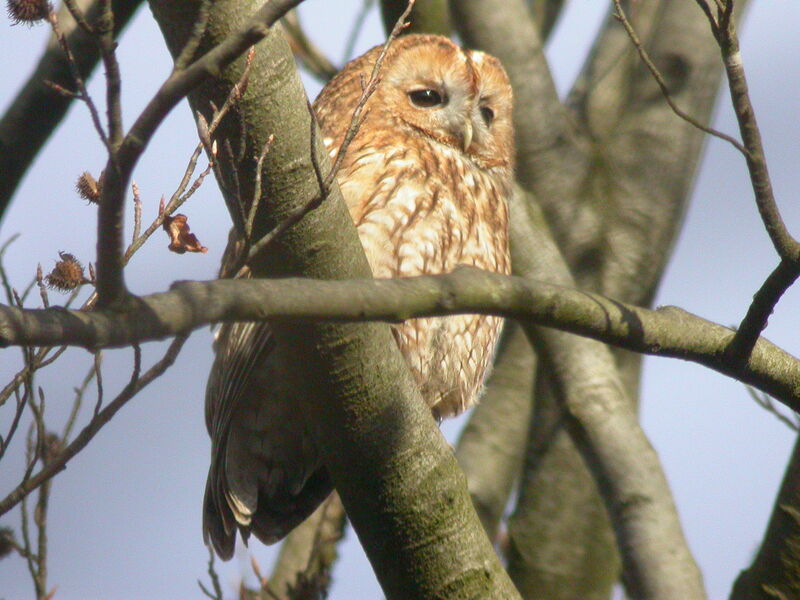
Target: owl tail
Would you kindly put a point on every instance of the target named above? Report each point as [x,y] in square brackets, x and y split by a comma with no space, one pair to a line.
[270,518]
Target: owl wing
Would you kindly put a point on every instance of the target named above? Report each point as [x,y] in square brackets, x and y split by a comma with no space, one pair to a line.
[265,475]
[237,345]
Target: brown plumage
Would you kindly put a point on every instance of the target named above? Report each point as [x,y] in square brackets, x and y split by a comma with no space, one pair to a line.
[426,179]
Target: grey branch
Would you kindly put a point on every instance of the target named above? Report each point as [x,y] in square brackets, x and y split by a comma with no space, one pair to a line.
[666,331]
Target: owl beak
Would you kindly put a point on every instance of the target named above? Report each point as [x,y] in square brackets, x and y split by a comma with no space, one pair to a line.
[467,135]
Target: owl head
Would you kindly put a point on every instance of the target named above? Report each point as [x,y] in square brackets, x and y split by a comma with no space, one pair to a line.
[461,98]
[431,87]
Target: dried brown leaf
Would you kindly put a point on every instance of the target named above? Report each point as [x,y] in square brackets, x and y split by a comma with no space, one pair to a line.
[181,238]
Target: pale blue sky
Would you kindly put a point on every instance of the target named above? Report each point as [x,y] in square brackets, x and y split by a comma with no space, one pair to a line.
[125,516]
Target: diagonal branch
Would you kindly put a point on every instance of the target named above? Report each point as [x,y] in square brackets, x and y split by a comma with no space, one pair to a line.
[787,247]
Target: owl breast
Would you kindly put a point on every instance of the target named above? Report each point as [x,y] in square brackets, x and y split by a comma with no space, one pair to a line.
[425,209]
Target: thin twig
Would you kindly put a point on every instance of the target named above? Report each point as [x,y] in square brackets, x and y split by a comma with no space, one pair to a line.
[623,19]
[786,246]
[710,16]
[137,213]
[42,288]
[212,574]
[355,123]
[251,215]
[41,360]
[787,272]
[110,280]
[77,14]
[90,430]
[40,520]
[31,559]
[107,47]
[765,402]
[3,275]
[12,429]
[76,404]
[83,94]
[180,195]
[37,425]
[98,373]
[764,302]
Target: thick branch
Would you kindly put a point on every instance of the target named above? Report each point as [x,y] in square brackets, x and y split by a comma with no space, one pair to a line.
[601,419]
[775,571]
[667,331]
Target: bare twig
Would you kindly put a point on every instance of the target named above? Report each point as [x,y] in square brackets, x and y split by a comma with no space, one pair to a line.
[98,373]
[251,215]
[40,360]
[137,214]
[40,520]
[765,402]
[212,574]
[80,18]
[355,123]
[3,276]
[623,19]
[83,94]
[787,247]
[764,302]
[42,288]
[181,195]
[12,429]
[76,404]
[30,558]
[787,272]
[87,433]
[107,46]
[111,286]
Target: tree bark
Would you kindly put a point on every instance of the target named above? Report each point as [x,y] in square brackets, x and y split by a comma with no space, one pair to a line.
[775,572]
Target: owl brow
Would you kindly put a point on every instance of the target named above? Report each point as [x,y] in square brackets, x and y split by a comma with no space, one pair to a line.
[473,73]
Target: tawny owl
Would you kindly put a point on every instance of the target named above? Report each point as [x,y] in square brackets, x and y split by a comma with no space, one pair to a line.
[426,180]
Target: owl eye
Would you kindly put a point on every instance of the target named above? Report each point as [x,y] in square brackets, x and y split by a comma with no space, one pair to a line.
[487,114]
[426,98]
